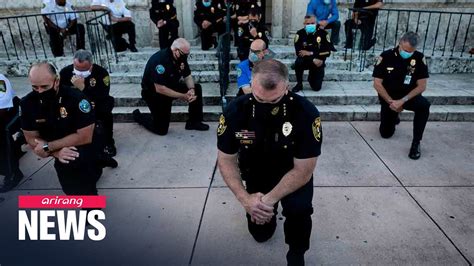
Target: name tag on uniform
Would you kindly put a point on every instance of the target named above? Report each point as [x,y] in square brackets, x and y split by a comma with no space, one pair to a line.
[245,137]
[407,80]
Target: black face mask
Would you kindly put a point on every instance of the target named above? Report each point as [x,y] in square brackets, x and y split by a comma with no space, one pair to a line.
[48,96]
[265,110]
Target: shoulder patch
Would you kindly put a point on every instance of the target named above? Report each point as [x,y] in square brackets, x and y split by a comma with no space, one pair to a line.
[222,126]
[328,38]
[84,106]
[297,37]
[106,80]
[379,60]
[423,60]
[160,69]
[239,72]
[316,126]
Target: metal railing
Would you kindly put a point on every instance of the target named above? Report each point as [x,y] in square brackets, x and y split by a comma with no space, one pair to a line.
[26,37]
[442,34]
[223,56]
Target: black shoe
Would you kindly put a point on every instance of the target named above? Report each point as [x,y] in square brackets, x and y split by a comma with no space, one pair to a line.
[137,115]
[415,151]
[107,161]
[133,49]
[298,87]
[110,150]
[196,126]
[295,258]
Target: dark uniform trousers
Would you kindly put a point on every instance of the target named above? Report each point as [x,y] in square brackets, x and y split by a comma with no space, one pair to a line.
[160,108]
[297,209]
[207,40]
[79,177]
[315,75]
[14,150]
[367,31]
[335,27]
[103,114]
[167,34]
[120,28]
[56,41]
[389,118]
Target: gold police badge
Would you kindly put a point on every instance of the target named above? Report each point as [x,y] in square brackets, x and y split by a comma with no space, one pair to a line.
[222,126]
[318,39]
[167,7]
[316,126]
[287,128]
[212,10]
[63,112]
[413,62]
[92,82]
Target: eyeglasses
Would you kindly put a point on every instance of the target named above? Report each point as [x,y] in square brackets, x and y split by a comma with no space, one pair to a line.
[181,52]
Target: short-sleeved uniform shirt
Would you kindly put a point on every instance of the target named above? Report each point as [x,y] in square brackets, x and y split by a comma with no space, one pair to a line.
[215,13]
[69,112]
[163,70]
[60,20]
[97,85]
[244,74]
[319,43]
[6,93]
[268,137]
[117,9]
[400,75]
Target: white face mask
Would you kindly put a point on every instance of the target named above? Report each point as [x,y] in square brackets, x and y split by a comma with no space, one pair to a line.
[83,74]
[327,2]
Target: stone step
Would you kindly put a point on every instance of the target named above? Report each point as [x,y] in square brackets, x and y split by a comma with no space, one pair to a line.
[328,113]
[123,67]
[213,76]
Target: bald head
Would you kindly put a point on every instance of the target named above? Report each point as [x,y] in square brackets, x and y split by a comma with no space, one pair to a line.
[181,44]
[43,76]
[258,44]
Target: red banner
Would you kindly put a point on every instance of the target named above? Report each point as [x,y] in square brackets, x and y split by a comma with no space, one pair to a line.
[61,202]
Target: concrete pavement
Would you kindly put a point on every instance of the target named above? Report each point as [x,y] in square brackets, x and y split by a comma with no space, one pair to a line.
[168,205]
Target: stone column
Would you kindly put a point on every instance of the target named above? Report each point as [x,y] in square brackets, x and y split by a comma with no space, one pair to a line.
[185,10]
[277,19]
[297,14]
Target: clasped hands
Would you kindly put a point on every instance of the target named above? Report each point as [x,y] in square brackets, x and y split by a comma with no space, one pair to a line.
[259,207]
[190,96]
[396,105]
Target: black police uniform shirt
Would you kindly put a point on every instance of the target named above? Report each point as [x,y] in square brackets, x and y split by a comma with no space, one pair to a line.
[269,136]
[163,10]
[97,84]
[367,12]
[215,13]
[318,42]
[247,38]
[163,70]
[400,75]
[63,115]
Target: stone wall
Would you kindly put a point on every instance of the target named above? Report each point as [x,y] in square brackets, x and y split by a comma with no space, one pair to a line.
[286,17]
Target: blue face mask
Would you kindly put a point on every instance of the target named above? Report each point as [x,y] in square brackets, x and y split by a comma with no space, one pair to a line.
[310,28]
[206,4]
[404,54]
[327,2]
[253,57]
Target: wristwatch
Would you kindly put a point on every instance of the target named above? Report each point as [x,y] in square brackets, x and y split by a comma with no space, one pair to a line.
[46,147]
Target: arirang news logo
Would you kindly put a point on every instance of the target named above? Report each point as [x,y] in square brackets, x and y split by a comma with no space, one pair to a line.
[44,217]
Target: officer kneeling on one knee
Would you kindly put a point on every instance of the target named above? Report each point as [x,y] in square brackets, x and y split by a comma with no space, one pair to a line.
[312,46]
[94,81]
[59,121]
[400,76]
[161,85]
[272,139]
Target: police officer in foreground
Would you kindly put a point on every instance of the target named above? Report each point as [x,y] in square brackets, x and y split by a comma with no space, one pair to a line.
[209,16]
[272,139]
[312,46]
[60,26]
[161,85]
[163,14]
[59,122]
[400,77]
[94,81]
[258,50]
[250,31]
